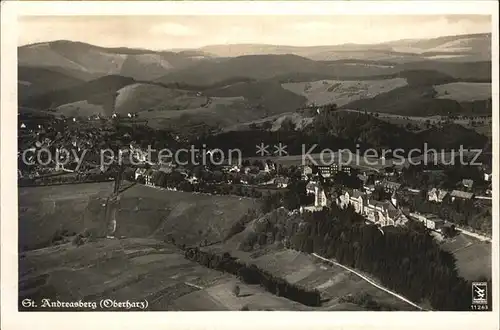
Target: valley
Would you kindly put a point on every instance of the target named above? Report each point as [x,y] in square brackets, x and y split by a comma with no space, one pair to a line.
[219,236]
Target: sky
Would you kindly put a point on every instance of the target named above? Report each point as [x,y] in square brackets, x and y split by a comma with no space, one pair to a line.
[171,32]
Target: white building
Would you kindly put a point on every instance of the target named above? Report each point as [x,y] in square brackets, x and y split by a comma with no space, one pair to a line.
[306,172]
[430,221]
[314,187]
[383,213]
[436,195]
[487,176]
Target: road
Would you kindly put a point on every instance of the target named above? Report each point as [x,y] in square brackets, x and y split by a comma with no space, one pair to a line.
[478,236]
[369,281]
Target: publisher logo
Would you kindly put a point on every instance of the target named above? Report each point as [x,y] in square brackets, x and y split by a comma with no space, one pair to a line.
[480,293]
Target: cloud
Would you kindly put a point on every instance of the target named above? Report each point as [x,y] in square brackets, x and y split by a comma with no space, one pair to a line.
[173,29]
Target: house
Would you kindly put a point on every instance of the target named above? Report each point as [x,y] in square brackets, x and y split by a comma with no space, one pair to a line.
[468,183]
[430,221]
[436,195]
[139,172]
[390,171]
[306,172]
[390,186]
[369,188]
[346,169]
[138,154]
[435,223]
[328,171]
[282,182]
[461,195]
[268,167]
[315,188]
[148,177]
[383,213]
[193,179]
[230,169]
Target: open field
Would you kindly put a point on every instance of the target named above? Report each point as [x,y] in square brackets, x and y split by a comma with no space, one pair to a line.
[300,268]
[482,126]
[139,269]
[464,91]
[142,212]
[80,108]
[220,112]
[343,92]
[126,269]
[473,256]
[216,103]
[141,97]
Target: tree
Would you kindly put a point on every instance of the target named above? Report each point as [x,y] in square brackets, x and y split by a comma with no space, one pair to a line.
[236,290]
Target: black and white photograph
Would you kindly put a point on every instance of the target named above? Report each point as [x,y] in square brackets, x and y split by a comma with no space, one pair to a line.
[254,162]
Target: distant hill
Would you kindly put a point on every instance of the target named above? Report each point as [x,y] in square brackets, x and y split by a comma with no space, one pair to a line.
[118,94]
[158,106]
[94,61]
[267,97]
[216,85]
[408,100]
[293,68]
[339,130]
[35,81]
[470,47]
[251,66]
[419,100]
[467,47]
[101,92]
[463,71]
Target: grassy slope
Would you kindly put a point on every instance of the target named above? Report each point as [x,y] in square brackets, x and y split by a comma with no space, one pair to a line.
[343,92]
[420,98]
[141,97]
[143,212]
[139,269]
[267,97]
[140,266]
[464,91]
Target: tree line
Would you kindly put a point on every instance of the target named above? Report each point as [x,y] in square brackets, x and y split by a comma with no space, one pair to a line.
[65,179]
[251,274]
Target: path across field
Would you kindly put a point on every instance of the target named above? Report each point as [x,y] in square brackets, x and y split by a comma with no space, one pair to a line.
[369,281]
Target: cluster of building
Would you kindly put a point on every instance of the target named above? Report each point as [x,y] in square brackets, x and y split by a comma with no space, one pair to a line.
[326,171]
[383,213]
[264,173]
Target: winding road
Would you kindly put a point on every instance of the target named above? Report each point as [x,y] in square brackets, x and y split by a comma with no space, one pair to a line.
[369,281]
